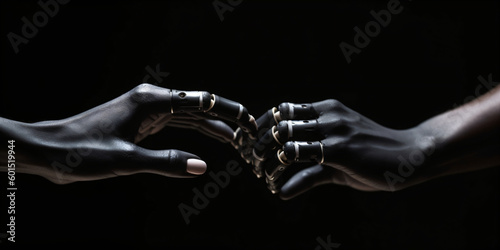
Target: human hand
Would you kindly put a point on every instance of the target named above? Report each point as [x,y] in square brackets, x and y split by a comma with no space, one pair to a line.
[101,142]
[307,145]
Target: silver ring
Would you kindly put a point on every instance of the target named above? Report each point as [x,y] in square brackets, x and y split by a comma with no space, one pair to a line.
[276,115]
[281,157]
[291,110]
[201,102]
[276,173]
[256,156]
[275,135]
[290,129]
[297,151]
[212,102]
[240,112]
[171,98]
[322,153]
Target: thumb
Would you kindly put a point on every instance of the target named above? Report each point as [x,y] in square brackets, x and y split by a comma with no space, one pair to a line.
[305,180]
[170,162]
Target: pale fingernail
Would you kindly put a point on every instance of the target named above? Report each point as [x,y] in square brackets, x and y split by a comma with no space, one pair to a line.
[196,166]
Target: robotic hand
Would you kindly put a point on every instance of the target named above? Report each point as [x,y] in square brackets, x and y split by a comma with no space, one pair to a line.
[101,142]
[325,142]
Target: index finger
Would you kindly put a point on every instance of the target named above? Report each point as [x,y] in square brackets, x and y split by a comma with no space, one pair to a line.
[287,111]
[215,106]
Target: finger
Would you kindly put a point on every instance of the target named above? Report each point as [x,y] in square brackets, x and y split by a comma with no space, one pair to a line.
[244,144]
[269,119]
[303,151]
[281,130]
[286,131]
[152,124]
[163,100]
[292,122]
[212,128]
[156,122]
[215,106]
[240,140]
[275,167]
[298,130]
[287,111]
[305,180]
[292,152]
[264,148]
[225,109]
[235,112]
[171,163]
[293,111]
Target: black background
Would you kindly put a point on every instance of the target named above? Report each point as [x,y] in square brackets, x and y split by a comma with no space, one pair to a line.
[423,63]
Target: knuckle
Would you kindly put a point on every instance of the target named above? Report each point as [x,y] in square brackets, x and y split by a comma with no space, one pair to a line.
[289,145]
[334,104]
[284,110]
[340,123]
[332,107]
[282,124]
[283,105]
[141,92]
[143,87]
[245,115]
[340,127]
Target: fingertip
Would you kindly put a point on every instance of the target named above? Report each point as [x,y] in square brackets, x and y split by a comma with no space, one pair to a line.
[288,192]
[285,197]
[196,166]
[304,181]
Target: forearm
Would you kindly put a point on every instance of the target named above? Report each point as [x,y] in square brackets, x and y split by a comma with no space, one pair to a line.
[27,146]
[466,138]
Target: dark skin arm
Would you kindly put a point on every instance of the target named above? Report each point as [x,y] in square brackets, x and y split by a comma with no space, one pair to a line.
[101,142]
[367,156]
[468,137]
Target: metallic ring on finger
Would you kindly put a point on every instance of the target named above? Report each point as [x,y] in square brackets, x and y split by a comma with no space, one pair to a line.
[257,157]
[276,173]
[304,151]
[171,98]
[272,186]
[252,120]
[282,157]
[276,134]
[276,115]
[322,153]
[212,102]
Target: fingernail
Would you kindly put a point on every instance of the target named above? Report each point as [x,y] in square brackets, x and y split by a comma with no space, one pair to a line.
[196,166]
